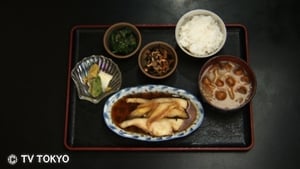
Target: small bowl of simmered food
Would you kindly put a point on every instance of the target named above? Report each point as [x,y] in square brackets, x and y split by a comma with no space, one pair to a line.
[158,60]
[227,83]
[122,40]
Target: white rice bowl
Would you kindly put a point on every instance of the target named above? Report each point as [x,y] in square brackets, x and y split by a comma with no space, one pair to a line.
[200,33]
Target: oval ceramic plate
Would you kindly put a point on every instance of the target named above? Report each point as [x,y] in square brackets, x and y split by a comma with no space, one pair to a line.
[152,88]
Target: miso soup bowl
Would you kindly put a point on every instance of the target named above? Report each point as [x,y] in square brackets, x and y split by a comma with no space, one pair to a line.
[227,83]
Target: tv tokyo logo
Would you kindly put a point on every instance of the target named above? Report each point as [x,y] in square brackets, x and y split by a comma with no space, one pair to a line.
[13,159]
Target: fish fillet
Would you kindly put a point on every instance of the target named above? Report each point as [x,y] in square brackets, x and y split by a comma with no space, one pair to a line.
[161,127]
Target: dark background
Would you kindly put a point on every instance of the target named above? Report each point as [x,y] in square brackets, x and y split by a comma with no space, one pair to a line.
[34,58]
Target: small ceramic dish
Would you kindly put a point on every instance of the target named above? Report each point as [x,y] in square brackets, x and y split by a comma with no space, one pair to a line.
[122,40]
[157,60]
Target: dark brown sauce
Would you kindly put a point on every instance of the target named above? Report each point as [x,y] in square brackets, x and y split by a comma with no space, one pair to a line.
[121,109]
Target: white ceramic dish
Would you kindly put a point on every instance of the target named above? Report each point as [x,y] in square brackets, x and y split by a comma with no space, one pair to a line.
[152,88]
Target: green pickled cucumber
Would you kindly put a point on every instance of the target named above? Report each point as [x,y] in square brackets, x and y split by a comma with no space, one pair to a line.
[95,86]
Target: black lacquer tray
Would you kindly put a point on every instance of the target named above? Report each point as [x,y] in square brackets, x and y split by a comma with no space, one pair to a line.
[84,124]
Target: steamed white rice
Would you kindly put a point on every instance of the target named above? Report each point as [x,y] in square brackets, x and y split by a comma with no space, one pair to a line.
[201,35]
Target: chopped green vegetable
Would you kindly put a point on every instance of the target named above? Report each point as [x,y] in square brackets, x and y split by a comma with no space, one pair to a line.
[123,41]
[95,86]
